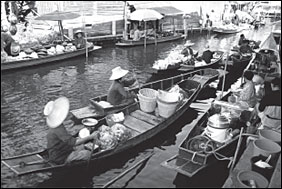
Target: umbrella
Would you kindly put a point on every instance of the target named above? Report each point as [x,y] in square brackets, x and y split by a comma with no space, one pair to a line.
[58,16]
[145,15]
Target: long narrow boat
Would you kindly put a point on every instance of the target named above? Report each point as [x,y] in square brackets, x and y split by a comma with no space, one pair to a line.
[226,31]
[141,125]
[131,43]
[213,64]
[96,111]
[45,60]
[199,151]
[182,68]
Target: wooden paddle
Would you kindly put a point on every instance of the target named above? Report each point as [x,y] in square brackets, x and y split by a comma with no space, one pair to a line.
[126,171]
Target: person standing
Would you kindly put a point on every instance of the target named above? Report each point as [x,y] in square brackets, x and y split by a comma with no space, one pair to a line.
[269,108]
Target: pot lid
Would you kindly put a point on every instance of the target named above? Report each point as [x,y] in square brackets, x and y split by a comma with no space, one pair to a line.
[218,121]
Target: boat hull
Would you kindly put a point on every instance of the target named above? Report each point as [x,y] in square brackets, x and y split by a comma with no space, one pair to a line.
[131,43]
[44,60]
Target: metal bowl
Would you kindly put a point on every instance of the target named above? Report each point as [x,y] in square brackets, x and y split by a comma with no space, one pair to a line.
[89,122]
[218,121]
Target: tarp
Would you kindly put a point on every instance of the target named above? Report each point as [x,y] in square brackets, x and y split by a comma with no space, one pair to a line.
[269,43]
[168,10]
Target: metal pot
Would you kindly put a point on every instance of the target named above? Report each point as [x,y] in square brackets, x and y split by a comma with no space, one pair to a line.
[218,121]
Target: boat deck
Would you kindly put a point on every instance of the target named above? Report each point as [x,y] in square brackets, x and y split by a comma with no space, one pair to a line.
[245,164]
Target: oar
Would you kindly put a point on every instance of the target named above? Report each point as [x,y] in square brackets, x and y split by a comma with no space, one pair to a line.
[225,67]
[23,164]
[92,150]
[237,149]
[126,171]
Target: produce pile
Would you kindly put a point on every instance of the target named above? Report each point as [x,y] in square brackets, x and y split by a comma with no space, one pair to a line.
[175,57]
[109,137]
[227,26]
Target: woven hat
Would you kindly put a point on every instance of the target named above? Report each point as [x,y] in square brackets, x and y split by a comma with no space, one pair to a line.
[188,43]
[56,111]
[79,31]
[117,73]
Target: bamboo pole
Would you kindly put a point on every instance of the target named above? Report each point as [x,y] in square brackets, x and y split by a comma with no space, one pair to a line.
[237,149]
[145,36]
[125,20]
[125,172]
[224,76]
[86,48]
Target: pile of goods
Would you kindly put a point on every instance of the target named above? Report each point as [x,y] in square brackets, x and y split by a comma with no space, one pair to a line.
[36,44]
[227,27]
[109,137]
[173,59]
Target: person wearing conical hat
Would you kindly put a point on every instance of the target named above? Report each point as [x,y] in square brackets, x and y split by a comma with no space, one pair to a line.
[188,52]
[63,147]
[79,41]
[207,54]
[117,93]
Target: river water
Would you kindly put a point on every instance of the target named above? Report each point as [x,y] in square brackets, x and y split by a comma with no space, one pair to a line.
[23,130]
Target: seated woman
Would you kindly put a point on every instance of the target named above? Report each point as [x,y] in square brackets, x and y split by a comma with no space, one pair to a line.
[79,41]
[137,34]
[117,93]
[188,52]
[247,96]
[63,147]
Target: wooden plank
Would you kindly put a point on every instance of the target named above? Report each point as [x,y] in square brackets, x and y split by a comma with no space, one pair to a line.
[136,124]
[84,112]
[151,119]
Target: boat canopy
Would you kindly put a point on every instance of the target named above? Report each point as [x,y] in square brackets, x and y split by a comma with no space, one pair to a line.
[269,43]
[168,10]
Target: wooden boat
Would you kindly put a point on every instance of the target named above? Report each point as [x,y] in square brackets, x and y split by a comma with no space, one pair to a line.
[96,111]
[214,64]
[198,151]
[141,125]
[171,68]
[131,43]
[226,31]
[44,60]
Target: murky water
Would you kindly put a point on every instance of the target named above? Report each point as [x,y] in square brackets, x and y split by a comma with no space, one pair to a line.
[24,94]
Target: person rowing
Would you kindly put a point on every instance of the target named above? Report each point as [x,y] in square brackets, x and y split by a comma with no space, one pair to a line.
[117,93]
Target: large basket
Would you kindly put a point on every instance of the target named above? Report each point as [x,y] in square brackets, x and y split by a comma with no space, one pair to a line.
[147,99]
[166,109]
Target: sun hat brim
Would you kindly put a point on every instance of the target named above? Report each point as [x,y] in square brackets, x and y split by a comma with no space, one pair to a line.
[56,111]
[118,75]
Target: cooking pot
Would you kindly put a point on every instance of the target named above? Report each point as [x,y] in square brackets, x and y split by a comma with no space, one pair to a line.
[218,128]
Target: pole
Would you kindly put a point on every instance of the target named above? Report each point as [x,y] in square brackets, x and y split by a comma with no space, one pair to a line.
[145,36]
[125,172]
[224,76]
[125,20]
[83,21]
[155,27]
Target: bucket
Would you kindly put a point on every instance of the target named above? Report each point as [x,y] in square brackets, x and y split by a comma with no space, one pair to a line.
[166,109]
[147,99]
[251,179]
[270,135]
[266,147]
[264,171]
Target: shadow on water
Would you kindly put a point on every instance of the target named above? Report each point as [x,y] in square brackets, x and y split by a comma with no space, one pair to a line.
[83,177]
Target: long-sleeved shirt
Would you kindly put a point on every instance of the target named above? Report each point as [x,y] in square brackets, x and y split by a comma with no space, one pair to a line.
[248,94]
[60,144]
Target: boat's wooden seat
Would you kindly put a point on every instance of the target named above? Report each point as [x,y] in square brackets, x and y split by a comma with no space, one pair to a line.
[136,122]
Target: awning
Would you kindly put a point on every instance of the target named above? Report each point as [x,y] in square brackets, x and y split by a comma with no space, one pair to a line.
[167,10]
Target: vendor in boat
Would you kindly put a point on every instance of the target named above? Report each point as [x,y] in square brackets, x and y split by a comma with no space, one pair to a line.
[247,96]
[63,147]
[117,93]
[242,38]
[245,48]
[6,41]
[137,34]
[269,108]
[207,54]
[188,52]
[79,41]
